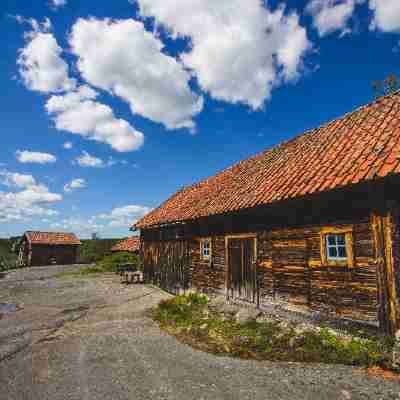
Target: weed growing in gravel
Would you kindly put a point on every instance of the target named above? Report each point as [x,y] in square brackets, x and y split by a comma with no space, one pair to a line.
[191,320]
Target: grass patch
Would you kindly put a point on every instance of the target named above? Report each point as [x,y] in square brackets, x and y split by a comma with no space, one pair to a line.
[191,320]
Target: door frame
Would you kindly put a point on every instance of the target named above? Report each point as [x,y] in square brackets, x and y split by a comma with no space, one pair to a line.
[236,236]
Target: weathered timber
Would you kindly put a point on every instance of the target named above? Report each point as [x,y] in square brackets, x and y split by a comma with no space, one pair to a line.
[290,262]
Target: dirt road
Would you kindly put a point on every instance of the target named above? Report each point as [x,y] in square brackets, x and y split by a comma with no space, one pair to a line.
[89,339]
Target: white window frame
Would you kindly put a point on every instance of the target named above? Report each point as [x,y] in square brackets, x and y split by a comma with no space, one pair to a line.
[336,246]
[347,231]
[206,257]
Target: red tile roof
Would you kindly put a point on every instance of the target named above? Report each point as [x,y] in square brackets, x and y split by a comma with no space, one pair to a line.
[131,244]
[360,146]
[52,238]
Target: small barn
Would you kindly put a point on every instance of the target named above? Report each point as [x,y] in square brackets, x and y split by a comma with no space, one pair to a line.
[313,223]
[47,248]
[130,245]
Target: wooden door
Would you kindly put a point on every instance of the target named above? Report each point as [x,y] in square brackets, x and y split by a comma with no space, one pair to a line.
[242,268]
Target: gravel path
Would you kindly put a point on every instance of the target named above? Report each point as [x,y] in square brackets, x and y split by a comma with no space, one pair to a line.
[89,339]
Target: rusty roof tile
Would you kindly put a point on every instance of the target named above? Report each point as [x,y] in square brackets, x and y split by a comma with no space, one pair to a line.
[361,145]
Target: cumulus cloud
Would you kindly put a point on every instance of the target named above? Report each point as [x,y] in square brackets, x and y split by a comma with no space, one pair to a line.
[78,112]
[79,183]
[58,3]
[81,226]
[75,109]
[34,157]
[386,15]
[68,145]
[126,60]
[86,160]
[331,15]
[239,49]
[121,217]
[125,216]
[27,199]
[40,64]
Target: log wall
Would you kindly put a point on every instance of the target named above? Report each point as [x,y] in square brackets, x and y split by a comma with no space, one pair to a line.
[291,269]
[42,255]
[291,263]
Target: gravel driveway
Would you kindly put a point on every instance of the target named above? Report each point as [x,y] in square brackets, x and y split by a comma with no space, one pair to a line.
[89,338]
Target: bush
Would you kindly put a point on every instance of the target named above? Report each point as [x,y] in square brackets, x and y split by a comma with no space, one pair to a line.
[93,251]
[111,262]
[8,259]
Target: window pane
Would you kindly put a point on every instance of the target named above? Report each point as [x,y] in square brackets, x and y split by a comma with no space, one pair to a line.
[342,252]
[332,252]
[341,239]
[331,240]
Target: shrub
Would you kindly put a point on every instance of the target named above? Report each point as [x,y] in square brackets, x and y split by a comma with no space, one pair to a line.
[111,262]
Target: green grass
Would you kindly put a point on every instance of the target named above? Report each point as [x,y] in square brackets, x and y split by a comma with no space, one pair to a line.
[190,319]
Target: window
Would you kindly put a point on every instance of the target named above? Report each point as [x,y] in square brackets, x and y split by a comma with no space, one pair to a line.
[205,249]
[337,246]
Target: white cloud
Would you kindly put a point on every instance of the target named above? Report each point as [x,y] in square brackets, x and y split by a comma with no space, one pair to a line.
[80,226]
[16,180]
[68,145]
[40,64]
[79,183]
[77,112]
[35,157]
[106,224]
[58,3]
[32,199]
[86,160]
[386,15]
[331,15]
[239,49]
[125,216]
[126,60]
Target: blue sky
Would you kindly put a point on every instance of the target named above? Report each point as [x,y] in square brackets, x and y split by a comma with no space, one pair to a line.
[108,108]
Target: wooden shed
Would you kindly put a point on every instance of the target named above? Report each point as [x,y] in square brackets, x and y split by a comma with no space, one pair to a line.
[47,248]
[313,222]
[130,245]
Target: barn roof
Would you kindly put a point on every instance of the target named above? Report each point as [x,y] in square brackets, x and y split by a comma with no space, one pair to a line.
[360,146]
[52,238]
[131,244]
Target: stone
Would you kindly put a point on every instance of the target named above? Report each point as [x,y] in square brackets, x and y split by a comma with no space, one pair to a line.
[264,318]
[247,315]
[396,352]
[228,309]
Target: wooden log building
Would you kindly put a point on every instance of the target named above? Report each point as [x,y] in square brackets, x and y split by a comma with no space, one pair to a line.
[47,248]
[130,245]
[313,222]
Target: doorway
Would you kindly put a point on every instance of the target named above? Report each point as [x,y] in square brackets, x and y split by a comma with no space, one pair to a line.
[242,267]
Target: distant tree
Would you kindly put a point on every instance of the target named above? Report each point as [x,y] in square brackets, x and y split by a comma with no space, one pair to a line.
[95,236]
[387,86]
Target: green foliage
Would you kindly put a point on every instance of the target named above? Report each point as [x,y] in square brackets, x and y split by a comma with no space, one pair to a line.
[190,319]
[111,262]
[106,264]
[92,251]
[8,258]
